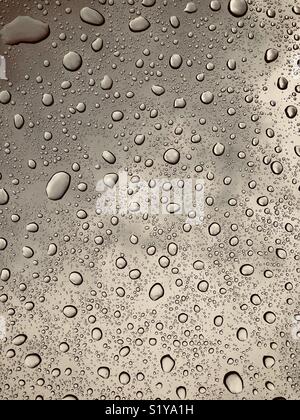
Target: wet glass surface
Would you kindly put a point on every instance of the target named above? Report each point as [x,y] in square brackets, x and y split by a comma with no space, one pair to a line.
[149,199]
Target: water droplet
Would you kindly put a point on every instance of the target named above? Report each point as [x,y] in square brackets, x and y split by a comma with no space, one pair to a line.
[271,55]
[32,361]
[76,278]
[277,168]
[191,7]
[48,99]
[104,372]
[203,286]
[27,252]
[282,83]
[139,24]
[270,317]
[219,149]
[181,392]
[157,292]
[106,83]
[5,97]
[4,197]
[238,8]
[91,16]
[18,121]
[158,90]
[5,274]
[268,362]
[242,334]
[214,229]
[109,157]
[172,156]
[72,61]
[291,111]
[97,45]
[110,180]
[207,97]
[3,244]
[58,186]
[148,3]
[24,29]
[70,311]
[97,334]
[218,321]
[176,61]
[234,383]
[117,116]
[19,340]
[121,263]
[247,270]
[167,363]
[124,378]
[215,5]
[175,22]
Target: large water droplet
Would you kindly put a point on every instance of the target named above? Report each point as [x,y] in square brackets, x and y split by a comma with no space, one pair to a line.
[172,156]
[58,186]
[238,8]
[271,55]
[32,361]
[91,16]
[76,278]
[247,270]
[234,383]
[4,197]
[156,292]
[24,29]
[139,24]
[72,61]
[70,311]
[167,363]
